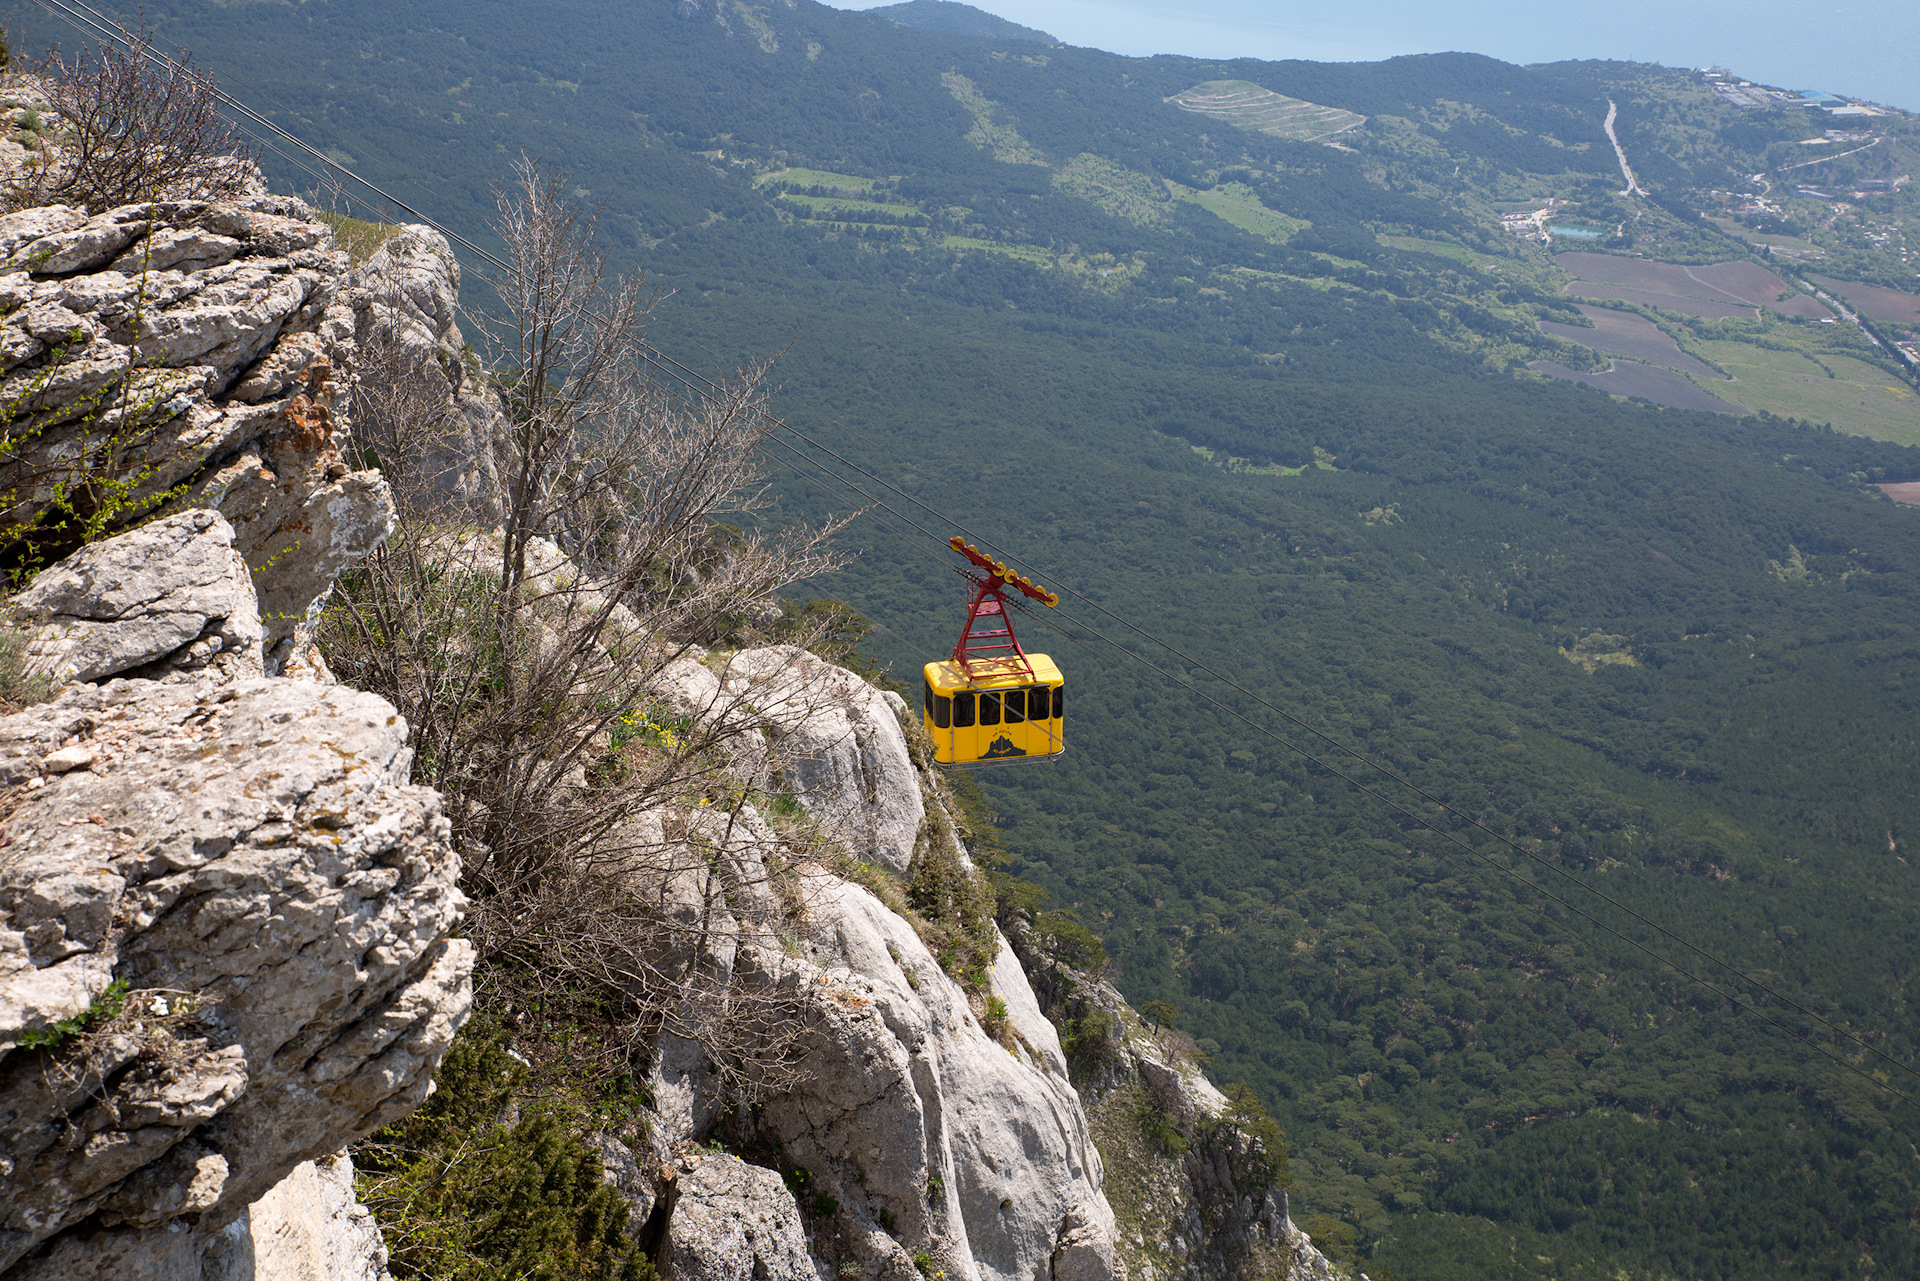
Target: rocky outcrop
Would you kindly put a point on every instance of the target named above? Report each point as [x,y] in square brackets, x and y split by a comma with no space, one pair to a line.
[931,1124]
[181,355]
[224,912]
[1185,1181]
[173,595]
[423,398]
[309,1227]
[839,747]
[248,859]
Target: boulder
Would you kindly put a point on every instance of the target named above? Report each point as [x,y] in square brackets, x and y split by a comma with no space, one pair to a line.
[839,749]
[173,594]
[732,1221]
[249,859]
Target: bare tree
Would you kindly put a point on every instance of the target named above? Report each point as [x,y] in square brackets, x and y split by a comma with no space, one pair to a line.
[134,126]
[598,777]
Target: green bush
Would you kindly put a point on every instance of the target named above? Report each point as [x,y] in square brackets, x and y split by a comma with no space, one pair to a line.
[1268,1162]
[1087,1039]
[101,1009]
[462,1195]
[955,906]
[1062,936]
[1332,1237]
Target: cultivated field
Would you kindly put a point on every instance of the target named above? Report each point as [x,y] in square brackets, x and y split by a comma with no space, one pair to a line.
[1650,382]
[784,178]
[828,206]
[1237,203]
[1666,302]
[1856,398]
[1904,492]
[1622,333]
[1248,106]
[1888,306]
[1714,292]
[1026,252]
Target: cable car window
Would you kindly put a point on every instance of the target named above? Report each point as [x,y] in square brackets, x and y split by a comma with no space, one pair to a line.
[1016,703]
[942,711]
[1059,701]
[1039,698]
[962,710]
[926,697]
[989,707]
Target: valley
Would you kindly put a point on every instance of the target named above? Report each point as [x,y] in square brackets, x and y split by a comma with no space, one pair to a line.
[1264,371]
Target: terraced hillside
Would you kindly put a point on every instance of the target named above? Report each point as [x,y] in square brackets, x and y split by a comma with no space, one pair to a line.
[1248,106]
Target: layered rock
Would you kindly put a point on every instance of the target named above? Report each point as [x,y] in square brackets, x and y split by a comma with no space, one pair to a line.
[180,355]
[249,859]
[173,595]
[935,1125]
[224,911]
[426,408]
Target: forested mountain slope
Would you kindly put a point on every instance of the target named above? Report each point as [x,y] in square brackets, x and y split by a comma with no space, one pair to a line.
[1266,397]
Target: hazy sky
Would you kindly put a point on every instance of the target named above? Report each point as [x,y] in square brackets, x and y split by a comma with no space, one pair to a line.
[1865,48]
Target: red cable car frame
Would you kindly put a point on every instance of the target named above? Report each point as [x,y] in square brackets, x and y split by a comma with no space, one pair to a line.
[991,702]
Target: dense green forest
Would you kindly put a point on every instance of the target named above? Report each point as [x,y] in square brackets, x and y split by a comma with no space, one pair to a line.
[1266,398]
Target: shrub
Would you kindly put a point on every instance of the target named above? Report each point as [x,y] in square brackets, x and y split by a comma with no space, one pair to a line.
[462,1195]
[1089,1042]
[135,128]
[530,681]
[1332,1237]
[1267,1163]
[1061,936]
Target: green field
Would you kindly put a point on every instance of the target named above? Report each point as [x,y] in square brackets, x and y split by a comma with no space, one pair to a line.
[827,206]
[1240,205]
[1026,253]
[1246,105]
[1444,249]
[1857,399]
[813,178]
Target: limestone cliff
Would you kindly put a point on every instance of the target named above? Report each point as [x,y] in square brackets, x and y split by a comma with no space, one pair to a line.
[1189,1191]
[224,911]
[181,355]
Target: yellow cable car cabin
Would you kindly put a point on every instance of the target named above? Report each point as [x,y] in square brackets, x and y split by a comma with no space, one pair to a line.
[993,703]
[1008,715]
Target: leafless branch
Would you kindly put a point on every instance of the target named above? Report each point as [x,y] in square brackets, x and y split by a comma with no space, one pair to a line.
[133,128]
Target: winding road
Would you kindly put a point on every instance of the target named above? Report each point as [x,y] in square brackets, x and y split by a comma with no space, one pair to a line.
[1626,170]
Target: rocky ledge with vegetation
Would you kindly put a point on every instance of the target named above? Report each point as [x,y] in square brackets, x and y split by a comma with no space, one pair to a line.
[741,1000]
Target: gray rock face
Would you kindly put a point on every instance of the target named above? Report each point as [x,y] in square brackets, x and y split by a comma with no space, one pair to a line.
[309,1227]
[418,401]
[839,748]
[250,859]
[173,593]
[977,1150]
[732,1221]
[199,343]
[924,1134]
